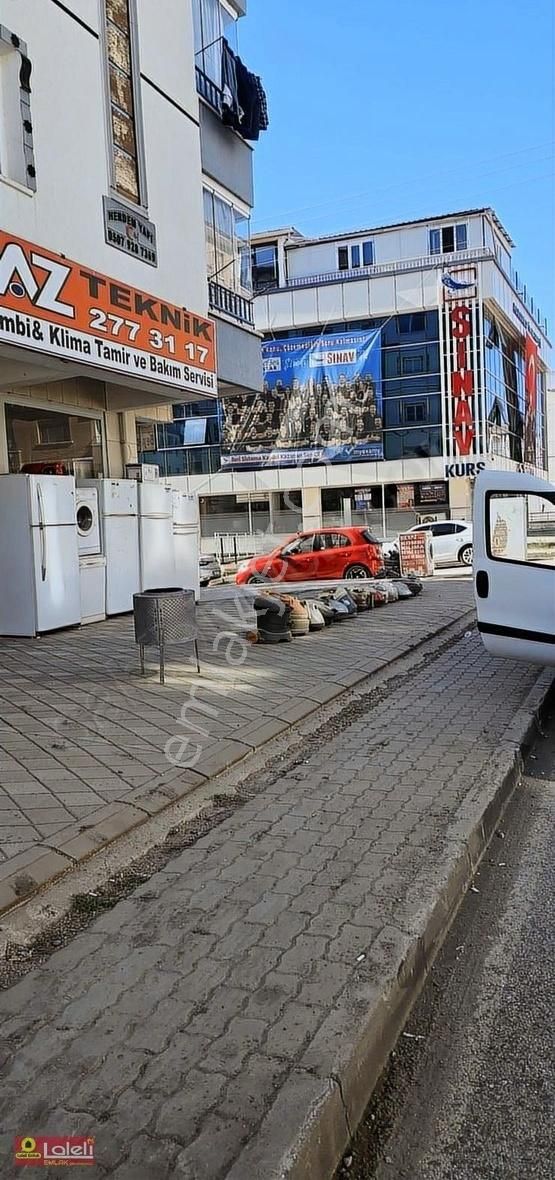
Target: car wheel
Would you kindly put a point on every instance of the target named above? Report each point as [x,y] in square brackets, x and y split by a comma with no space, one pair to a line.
[357,571]
[256,580]
[465,555]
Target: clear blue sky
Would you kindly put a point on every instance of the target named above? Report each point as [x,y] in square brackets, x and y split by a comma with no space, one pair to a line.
[387,111]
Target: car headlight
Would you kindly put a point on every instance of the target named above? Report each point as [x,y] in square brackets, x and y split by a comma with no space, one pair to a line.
[244,565]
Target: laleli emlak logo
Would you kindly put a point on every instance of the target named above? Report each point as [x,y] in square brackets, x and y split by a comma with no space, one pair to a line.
[51,1150]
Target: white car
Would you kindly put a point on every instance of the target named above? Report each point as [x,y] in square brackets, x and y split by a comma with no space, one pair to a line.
[514,565]
[451,541]
[209,569]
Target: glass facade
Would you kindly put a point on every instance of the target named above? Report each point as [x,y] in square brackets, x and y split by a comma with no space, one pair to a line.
[189,445]
[411,386]
[506,402]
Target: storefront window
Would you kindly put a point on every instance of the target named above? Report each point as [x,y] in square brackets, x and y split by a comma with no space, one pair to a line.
[53,443]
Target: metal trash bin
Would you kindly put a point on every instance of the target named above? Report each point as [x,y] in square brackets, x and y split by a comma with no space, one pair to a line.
[162,617]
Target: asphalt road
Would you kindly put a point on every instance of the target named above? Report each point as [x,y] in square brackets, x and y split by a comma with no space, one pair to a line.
[470,1091]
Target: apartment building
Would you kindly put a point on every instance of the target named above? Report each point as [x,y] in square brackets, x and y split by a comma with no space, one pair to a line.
[189,443]
[399,361]
[114,153]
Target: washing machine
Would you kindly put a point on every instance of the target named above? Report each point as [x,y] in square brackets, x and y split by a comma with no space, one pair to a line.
[92,563]
[88,521]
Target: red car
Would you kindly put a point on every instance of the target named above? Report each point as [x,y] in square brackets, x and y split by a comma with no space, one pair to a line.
[325,553]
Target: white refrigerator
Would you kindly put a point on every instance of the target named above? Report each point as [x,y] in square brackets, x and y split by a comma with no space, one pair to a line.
[186,538]
[119,529]
[156,548]
[39,554]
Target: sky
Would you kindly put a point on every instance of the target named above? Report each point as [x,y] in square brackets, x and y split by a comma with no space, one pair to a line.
[387,111]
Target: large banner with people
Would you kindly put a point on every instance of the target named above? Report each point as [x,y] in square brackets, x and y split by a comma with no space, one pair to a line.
[322,403]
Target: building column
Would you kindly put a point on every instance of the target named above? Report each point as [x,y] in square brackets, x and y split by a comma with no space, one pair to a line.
[121,441]
[274,506]
[460,498]
[312,508]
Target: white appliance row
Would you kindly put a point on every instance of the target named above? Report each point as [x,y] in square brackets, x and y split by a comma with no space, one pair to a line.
[76,554]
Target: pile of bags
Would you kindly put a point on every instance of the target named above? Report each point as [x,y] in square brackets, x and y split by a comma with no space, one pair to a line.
[282,617]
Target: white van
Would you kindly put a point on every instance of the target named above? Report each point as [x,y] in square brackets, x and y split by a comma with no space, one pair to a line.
[514,565]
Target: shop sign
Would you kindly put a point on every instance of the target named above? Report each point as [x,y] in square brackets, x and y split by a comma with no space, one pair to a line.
[363,499]
[59,308]
[405,495]
[129,231]
[415,552]
[462,379]
[464,470]
[432,493]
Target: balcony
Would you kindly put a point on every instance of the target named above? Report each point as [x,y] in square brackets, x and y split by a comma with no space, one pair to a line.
[230,303]
[390,268]
[209,91]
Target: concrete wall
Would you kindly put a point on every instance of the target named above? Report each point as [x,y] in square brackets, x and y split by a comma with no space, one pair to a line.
[226,158]
[239,356]
[68,107]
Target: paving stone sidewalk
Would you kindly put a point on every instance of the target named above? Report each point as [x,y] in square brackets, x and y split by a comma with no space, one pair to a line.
[191,1026]
[81,730]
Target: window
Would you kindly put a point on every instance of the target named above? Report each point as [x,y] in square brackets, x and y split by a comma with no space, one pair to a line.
[300,545]
[443,530]
[343,257]
[265,267]
[128,175]
[211,22]
[53,430]
[411,322]
[448,239]
[349,258]
[367,253]
[41,440]
[415,413]
[227,244]
[334,541]
[16,129]
[413,364]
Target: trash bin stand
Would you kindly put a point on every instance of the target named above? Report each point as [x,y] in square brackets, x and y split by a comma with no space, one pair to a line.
[161,615]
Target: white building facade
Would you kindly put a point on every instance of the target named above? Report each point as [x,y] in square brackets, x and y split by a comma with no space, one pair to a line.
[105,303]
[460,354]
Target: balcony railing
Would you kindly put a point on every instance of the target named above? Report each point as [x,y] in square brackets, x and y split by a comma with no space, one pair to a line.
[230,303]
[209,91]
[390,268]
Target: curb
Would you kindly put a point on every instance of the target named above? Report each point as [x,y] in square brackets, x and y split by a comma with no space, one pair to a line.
[25,875]
[318,1110]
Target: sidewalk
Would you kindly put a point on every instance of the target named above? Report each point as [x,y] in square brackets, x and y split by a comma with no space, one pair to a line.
[227,1019]
[84,739]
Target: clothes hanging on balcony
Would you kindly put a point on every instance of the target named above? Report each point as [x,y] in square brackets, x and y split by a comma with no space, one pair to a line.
[244,103]
[263,101]
[231,113]
[250,125]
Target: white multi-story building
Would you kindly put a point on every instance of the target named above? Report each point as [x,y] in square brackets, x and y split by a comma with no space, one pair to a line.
[107,154]
[399,361]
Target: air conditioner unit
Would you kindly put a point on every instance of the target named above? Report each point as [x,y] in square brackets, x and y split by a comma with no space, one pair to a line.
[431,517]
